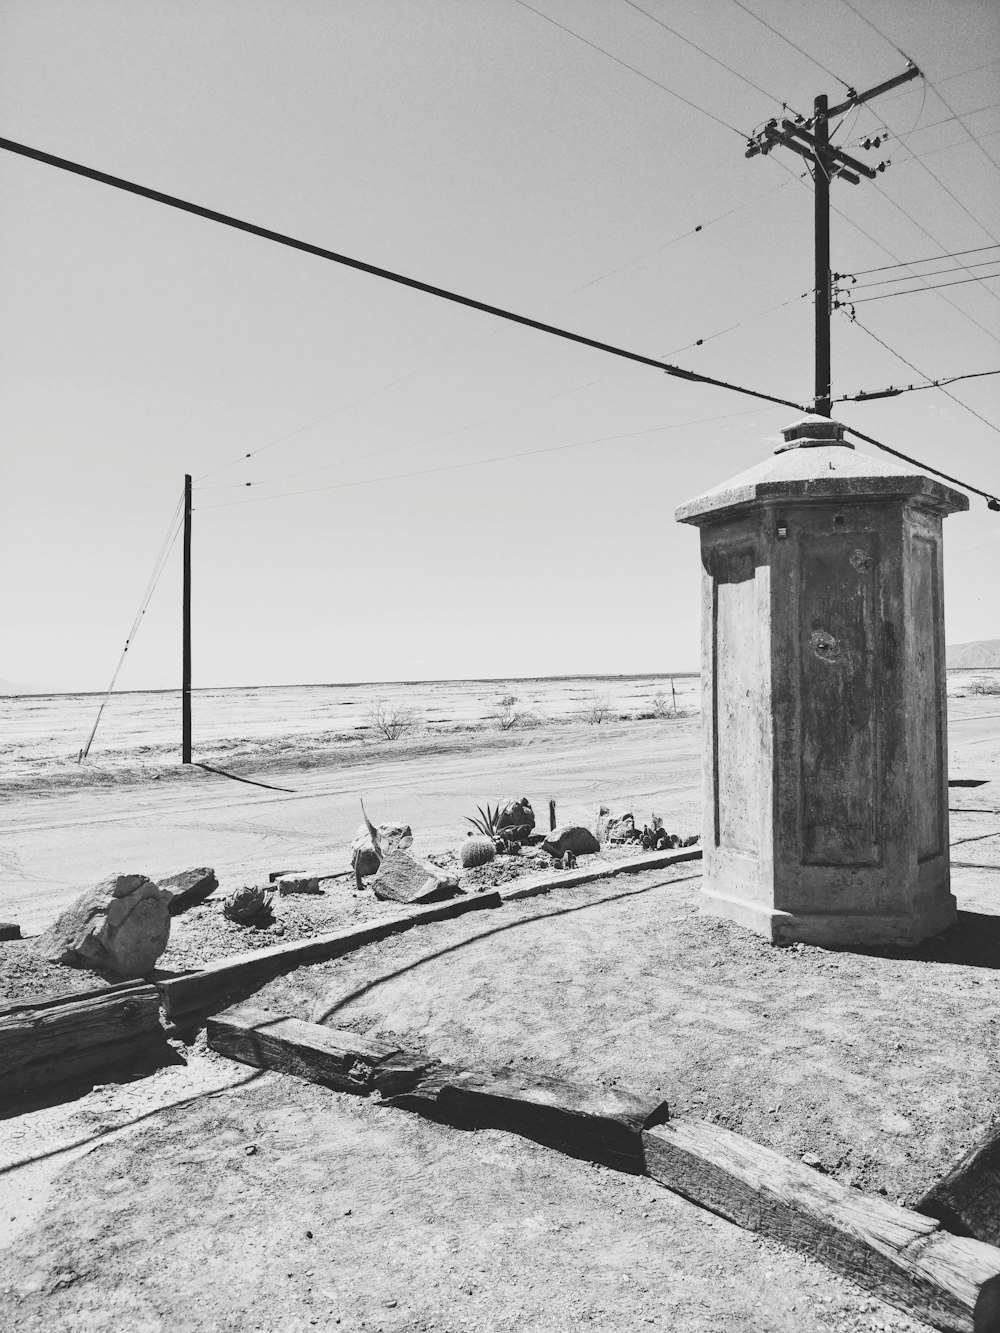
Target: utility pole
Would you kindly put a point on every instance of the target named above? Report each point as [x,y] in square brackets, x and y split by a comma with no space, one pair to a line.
[811,140]
[186,631]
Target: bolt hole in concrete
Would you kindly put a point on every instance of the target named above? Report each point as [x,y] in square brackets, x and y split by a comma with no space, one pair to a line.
[838,520]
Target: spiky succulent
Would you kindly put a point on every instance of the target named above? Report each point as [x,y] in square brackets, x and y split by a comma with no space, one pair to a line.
[249,904]
[487,822]
[477,852]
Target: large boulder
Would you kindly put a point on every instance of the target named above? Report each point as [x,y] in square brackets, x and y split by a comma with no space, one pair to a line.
[189,888]
[404,879]
[570,838]
[121,925]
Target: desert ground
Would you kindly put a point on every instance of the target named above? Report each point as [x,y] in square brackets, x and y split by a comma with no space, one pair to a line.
[206,1195]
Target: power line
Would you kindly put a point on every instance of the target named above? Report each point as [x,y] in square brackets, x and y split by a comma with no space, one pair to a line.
[911,291]
[991,500]
[624,63]
[907,263]
[388,275]
[916,369]
[886,250]
[989,157]
[894,392]
[864,19]
[482,462]
[483,421]
[466,348]
[739,4]
[937,273]
[721,63]
[948,107]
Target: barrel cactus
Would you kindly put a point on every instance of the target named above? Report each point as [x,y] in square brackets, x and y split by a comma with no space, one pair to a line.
[477,852]
[248,905]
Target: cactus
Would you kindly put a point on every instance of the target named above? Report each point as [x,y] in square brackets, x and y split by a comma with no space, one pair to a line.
[477,852]
[247,905]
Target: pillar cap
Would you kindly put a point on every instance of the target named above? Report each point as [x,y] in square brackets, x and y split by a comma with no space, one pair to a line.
[811,433]
[812,467]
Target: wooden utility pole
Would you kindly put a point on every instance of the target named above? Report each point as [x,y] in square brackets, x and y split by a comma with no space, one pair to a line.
[811,140]
[186,631]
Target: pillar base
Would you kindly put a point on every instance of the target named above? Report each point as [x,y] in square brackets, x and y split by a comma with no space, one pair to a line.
[834,930]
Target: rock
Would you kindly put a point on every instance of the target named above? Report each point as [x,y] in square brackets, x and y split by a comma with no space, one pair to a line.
[403,879]
[371,844]
[571,838]
[298,884]
[9,930]
[517,819]
[121,925]
[810,1159]
[620,828]
[189,887]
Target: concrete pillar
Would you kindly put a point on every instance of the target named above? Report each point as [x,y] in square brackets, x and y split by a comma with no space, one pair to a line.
[823,695]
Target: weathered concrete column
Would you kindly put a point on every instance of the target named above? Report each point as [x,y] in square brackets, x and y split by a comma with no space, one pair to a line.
[823,695]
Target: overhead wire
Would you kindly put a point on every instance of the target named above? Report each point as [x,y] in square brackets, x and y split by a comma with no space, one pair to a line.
[930,259]
[881,245]
[916,369]
[465,349]
[894,392]
[482,462]
[771,97]
[484,421]
[172,533]
[812,59]
[929,287]
[635,70]
[937,273]
[374,270]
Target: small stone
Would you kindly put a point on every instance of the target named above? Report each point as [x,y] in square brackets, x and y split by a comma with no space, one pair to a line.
[250,1149]
[298,884]
[810,1159]
[189,887]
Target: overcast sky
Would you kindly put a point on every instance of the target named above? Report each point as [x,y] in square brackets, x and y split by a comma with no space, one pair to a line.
[476,145]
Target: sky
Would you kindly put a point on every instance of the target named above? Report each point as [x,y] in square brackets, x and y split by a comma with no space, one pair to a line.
[433,493]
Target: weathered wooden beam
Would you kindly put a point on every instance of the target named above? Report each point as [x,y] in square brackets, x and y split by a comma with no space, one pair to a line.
[48,1042]
[901,1256]
[597,1124]
[226,980]
[335,1057]
[967,1199]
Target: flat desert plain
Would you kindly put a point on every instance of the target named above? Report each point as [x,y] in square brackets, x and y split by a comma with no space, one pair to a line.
[207,1195]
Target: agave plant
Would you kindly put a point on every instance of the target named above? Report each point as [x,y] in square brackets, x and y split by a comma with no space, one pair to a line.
[247,905]
[487,822]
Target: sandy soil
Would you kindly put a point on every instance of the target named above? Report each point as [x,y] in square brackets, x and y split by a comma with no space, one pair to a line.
[184,1200]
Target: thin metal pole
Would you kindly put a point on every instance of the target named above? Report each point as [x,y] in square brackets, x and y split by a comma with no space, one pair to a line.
[821,404]
[186,631]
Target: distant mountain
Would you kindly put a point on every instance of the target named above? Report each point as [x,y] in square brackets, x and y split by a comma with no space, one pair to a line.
[9,687]
[982,653]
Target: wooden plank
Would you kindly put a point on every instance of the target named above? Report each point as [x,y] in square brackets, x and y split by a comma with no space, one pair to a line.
[903,1257]
[334,1057]
[227,979]
[597,1124]
[72,1037]
[967,1199]
[37,1002]
[57,1028]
